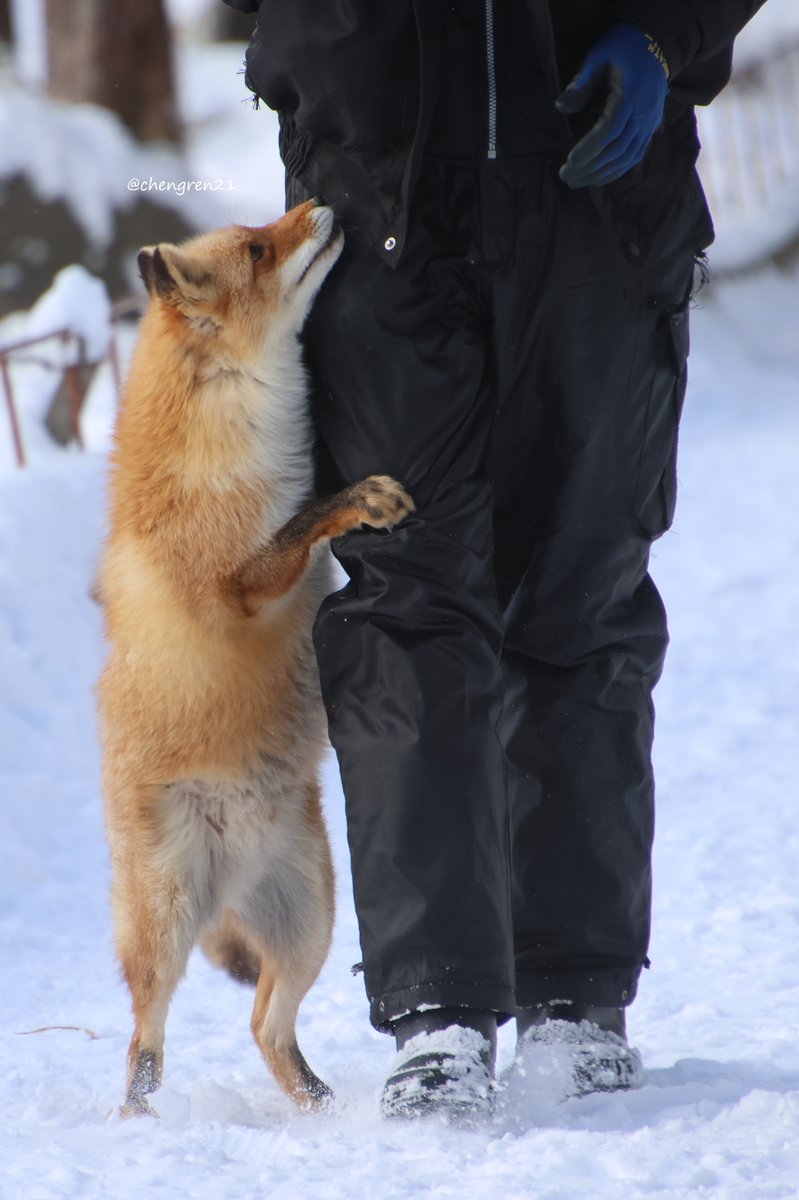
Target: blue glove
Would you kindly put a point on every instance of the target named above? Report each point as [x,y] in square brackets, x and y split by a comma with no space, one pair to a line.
[628,66]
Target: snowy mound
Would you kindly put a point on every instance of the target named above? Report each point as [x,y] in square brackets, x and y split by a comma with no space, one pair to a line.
[77,301]
[83,154]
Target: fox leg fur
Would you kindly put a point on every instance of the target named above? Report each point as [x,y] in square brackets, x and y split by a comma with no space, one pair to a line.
[152,973]
[157,925]
[290,918]
[274,570]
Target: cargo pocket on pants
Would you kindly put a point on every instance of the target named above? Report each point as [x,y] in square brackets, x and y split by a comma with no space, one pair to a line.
[656,489]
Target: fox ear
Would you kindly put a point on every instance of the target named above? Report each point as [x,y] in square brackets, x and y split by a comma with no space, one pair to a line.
[154,271]
[182,272]
[169,273]
[146,268]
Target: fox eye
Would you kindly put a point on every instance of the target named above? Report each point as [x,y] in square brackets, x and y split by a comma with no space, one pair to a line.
[256,252]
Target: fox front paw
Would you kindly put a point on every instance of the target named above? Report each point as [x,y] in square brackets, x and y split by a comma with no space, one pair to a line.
[381,501]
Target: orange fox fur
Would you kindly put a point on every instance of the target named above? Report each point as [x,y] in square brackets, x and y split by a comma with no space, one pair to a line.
[211,718]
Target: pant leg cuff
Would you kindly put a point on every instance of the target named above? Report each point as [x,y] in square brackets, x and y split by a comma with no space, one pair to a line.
[602,989]
[440,993]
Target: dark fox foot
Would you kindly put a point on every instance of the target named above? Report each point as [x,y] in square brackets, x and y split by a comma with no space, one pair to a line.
[144,1080]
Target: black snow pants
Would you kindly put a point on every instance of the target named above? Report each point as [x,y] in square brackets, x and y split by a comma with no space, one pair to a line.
[488,669]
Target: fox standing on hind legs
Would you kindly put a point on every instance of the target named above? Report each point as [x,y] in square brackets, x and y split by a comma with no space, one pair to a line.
[211,718]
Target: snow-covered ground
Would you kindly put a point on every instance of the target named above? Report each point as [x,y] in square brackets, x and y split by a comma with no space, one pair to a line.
[718,1015]
[717,1019]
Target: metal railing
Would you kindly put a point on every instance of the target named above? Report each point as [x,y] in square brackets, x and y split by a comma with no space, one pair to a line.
[72,366]
[750,140]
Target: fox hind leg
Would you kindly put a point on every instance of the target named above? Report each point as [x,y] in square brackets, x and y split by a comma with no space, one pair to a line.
[291,916]
[156,929]
[278,995]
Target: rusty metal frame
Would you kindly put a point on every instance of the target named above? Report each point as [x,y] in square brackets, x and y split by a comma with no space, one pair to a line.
[71,373]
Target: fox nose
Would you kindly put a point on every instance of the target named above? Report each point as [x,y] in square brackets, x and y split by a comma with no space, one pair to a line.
[322,219]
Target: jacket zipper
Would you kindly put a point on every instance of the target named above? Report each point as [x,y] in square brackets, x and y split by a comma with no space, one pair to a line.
[492,80]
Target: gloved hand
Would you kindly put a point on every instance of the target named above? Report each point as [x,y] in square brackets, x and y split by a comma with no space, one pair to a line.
[625,64]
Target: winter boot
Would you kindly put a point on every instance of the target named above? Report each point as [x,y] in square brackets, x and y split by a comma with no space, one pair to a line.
[444,1066]
[595,1038]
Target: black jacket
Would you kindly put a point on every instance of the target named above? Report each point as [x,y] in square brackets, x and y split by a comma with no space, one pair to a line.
[355,89]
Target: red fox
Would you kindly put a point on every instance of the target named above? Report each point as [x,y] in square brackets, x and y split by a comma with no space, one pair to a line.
[210,713]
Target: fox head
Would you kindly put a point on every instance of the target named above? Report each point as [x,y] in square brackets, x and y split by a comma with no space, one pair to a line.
[241,286]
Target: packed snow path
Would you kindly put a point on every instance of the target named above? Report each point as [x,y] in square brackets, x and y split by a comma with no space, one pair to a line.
[717,1019]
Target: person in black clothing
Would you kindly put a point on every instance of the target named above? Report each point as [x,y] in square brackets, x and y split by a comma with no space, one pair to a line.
[507,334]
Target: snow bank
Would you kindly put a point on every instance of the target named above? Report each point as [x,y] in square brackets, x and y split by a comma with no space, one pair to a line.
[79,302]
[84,155]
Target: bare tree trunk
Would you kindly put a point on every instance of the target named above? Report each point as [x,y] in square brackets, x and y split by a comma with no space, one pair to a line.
[232,26]
[5,21]
[118,55]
